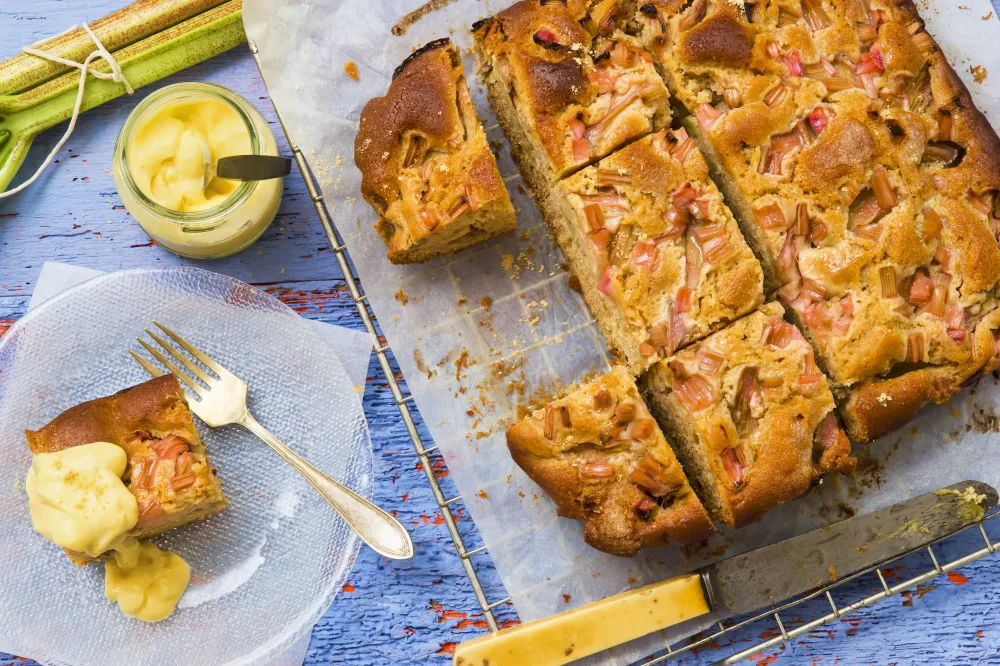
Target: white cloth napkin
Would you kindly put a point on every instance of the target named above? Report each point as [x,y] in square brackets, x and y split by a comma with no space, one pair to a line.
[353,348]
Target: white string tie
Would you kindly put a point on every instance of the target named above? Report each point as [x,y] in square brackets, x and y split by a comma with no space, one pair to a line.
[115,75]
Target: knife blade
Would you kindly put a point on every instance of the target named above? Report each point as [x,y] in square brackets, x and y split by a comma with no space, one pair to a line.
[741,584]
[755,580]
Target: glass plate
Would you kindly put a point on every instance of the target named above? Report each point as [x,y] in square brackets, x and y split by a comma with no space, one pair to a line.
[263,570]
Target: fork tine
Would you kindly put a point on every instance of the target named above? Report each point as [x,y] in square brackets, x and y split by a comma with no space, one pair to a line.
[180,374]
[191,349]
[201,374]
[146,365]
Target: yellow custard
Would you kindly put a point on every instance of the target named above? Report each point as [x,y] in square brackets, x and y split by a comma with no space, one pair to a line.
[78,500]
[176,142]
[159,170]
[146,582]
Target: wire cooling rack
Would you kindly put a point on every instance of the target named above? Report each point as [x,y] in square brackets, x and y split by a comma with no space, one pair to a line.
[669,652]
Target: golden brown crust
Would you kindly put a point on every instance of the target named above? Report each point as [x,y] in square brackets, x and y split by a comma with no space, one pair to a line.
[721,37]
[421,98]
[752,414]
[141,420]
[601,458]
[844,150]
[426,166]
[861,172]
[157,406]
[578,95]
[876,409]
[639,222]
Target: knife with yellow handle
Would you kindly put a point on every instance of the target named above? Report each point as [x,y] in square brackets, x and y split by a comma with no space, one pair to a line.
[758,579]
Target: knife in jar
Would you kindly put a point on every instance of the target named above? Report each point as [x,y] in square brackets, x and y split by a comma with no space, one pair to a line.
[755,580]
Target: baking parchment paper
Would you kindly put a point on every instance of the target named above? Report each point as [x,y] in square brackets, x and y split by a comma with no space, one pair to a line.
[478,333]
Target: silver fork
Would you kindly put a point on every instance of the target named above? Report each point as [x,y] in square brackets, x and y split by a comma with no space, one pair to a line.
[224,402]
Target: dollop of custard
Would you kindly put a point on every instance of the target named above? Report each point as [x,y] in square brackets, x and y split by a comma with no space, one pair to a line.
[176,142]
[78,500]
[146,582]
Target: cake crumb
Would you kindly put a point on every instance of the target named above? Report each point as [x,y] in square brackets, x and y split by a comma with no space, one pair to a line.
[351,69]
[486,302]
[402,297]
[978,73]
[483,494]
[566,598]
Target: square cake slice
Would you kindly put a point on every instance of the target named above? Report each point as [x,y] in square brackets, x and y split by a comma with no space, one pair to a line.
[426,165]
[564,92]
[168,470]
[660,259]
[752,416]
[602,459]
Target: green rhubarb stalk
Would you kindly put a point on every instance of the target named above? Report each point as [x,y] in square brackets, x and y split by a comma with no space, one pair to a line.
[117,30]
[25,115]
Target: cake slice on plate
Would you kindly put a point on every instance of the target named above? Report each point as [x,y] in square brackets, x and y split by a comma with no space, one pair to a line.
[602,459]
[752,416]
[168,469]
[660,259]
[426,166]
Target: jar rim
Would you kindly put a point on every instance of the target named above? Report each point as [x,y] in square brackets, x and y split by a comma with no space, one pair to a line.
[208,217]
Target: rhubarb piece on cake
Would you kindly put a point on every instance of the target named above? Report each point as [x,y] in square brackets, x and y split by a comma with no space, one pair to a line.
[602,459]
[660,260]
[168,470]
[862,175]
[751,415]
[565,96]
[426,165]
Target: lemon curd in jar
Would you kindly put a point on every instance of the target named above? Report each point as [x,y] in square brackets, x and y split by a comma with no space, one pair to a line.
[160,165]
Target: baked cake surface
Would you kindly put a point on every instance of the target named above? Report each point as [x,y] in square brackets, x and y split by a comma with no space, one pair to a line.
[168,470]
[426,165]
[602,459]
[659,256]
[751,414]
[864,178]
[566,92]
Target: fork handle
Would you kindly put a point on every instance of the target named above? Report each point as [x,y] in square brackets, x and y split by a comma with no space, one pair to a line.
[376,528]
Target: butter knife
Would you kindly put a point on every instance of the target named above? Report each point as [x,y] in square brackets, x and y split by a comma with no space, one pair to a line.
[752,581]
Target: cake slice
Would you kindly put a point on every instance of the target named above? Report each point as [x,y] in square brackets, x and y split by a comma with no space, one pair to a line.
[426,166]
[863,177]
[602,459]
[752,416]
[660,260]
[565,93]
[168,470]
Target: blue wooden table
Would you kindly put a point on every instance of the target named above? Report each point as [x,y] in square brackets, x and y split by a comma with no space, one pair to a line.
[388,613]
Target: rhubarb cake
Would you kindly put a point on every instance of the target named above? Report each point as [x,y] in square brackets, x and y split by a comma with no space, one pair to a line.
[602,459]
[863,177]
[659,257]
[565,92]
[168,470]
[426,166]
[752,416]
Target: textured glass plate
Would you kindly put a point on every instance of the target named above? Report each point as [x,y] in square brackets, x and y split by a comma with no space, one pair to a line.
[266,568]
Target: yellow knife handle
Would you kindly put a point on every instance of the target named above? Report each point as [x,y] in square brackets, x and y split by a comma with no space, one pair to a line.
[590,629]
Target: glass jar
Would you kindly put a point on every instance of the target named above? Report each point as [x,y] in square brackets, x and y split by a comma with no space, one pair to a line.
[224,228]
